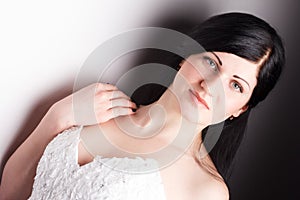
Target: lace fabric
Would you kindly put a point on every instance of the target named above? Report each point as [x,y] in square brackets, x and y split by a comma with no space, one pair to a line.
[59,176]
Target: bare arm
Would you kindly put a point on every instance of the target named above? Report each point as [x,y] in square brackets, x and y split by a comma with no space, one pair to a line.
[213,190]
[20,169]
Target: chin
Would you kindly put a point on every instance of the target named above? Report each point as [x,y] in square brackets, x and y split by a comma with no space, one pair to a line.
[193,114]
[198,114]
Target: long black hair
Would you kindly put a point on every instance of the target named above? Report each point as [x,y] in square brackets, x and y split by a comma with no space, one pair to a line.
[246,36]
[251,38]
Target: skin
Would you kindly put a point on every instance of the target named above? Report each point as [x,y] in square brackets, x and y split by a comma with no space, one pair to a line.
[192,181]
[20,169]
[226,88]
[217,84]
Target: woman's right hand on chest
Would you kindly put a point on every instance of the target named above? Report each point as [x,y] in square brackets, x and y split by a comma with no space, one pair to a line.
[93,104]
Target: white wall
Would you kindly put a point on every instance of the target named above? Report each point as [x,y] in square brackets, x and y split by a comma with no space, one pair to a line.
[44,43]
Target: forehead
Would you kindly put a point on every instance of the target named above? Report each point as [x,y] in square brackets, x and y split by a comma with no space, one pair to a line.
[235,65]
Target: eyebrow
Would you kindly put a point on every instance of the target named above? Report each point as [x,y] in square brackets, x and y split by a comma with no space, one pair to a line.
[220,62]
[235,76]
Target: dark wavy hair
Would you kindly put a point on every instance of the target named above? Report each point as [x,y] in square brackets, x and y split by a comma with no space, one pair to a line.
[246,36]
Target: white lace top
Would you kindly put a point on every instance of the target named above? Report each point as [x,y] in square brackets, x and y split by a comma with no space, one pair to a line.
[59,176]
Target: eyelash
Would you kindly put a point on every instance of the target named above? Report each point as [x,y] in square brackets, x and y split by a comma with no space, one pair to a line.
[209,61]
[216,69]
[240,88]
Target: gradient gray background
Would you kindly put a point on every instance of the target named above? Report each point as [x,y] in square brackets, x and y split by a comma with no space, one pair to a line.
[268,161]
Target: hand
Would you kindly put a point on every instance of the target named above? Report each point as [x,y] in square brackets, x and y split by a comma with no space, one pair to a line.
[96,103]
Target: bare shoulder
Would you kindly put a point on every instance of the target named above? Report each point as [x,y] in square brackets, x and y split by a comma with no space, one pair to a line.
[213,189]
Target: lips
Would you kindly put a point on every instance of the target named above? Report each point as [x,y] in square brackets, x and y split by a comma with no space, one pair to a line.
[200,100]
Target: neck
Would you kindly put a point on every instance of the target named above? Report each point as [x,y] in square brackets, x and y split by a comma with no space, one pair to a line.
[163,119]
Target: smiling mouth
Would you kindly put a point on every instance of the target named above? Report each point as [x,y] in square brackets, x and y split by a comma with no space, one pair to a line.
[199,99]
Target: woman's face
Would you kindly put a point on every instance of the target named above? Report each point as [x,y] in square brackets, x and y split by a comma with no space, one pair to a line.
[215,84]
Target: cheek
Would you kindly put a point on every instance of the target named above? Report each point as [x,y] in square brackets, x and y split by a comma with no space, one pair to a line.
[189,71]
[234,103]
[226,103]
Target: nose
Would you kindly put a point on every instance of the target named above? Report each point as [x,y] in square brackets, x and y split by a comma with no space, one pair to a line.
[213,86]
[204,88]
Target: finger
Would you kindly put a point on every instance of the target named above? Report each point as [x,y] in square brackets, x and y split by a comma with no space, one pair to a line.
[116,94]
[119,111]
[121,102]
[105,86]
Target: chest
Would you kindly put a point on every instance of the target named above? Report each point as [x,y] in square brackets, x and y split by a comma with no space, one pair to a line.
[182,179]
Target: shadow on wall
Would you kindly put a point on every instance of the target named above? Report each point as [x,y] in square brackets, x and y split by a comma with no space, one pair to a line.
[179,18]
[39,109]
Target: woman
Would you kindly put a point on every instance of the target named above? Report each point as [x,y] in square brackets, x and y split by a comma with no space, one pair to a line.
[243,62]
